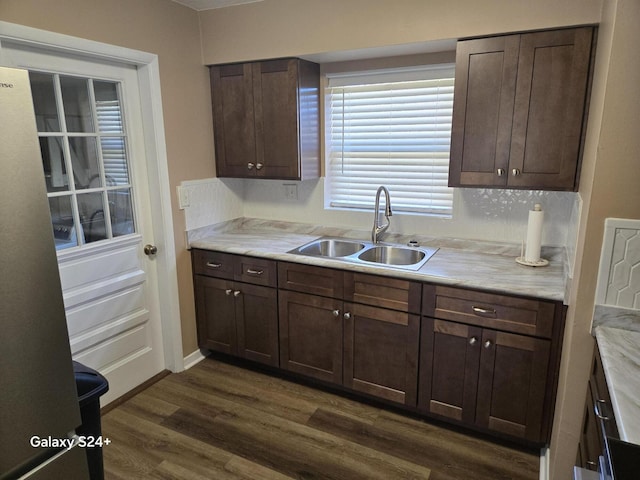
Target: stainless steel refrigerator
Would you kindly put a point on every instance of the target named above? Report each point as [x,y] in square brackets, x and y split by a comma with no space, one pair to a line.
[38,398]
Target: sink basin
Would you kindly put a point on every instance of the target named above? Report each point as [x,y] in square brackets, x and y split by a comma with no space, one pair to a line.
[391,255]
[366,253]
[331,248]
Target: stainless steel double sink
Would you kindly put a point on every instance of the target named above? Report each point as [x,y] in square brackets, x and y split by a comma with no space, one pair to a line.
[358,251]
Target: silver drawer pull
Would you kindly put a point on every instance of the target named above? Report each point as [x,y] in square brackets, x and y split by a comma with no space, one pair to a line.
[484,311]
[473,340]
[237,293]
[214,265]
[228,291]
[251,271]
[596,409]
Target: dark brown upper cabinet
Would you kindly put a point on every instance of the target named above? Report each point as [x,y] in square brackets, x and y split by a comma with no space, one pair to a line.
[519,111]
[266,119]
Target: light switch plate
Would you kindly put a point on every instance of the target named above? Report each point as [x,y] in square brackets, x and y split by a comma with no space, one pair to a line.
[290,191]
[184,199]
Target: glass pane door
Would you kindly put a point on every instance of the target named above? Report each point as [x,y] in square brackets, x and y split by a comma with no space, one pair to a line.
[84,156]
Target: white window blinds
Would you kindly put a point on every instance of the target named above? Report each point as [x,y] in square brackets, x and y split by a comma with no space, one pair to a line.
[391,129]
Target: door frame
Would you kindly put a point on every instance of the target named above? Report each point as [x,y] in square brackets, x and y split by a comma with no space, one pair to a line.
[154,142]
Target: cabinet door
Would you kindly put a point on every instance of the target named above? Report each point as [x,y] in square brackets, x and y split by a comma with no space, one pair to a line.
[511,384]
[275,87]
[482,111]
[591,443]
[311,335]
[381,352]
[215,313]
[450,356]
[257,323]
[553,72]
[233,120]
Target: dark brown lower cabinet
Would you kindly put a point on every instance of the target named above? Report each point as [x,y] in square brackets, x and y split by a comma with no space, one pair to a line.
[368,349]
[311,335]
[381,352]
[591,443]
[482,377]
[237,319]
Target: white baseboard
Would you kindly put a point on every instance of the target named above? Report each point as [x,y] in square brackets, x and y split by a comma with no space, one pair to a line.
[194,358]
[544,464]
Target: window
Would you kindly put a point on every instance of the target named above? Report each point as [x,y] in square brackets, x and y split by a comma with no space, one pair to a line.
[390,128]
[83,145]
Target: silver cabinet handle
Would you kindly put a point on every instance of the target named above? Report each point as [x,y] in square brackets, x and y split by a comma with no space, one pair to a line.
[336,313]
[484,311]
[346,316]
[516,172]
[473,340]
[237,293]
[214,265]
[259,166]
[228,291]
[596,409]
[250,166]
[487,344]
[251,271]
[500,172]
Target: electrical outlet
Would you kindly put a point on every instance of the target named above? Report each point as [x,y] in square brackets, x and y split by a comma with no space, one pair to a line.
[184,199]
[290,191]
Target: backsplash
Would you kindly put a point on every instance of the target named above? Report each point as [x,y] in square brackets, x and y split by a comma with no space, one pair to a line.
[479,214]
[619,275]
[212,201]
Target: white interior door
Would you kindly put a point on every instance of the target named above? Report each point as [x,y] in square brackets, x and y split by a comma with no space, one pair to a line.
[91,135]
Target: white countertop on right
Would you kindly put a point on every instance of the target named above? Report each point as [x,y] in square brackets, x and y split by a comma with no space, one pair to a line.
[620,353]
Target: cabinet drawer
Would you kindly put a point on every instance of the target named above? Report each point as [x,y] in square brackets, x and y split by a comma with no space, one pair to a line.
[392,293]
[326,282]
[513,314]
[213,264]
[258,271]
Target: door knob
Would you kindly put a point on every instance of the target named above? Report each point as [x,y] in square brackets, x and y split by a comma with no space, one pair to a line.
[150,249]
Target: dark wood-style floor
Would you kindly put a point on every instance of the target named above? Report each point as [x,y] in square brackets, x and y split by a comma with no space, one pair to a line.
[219,421]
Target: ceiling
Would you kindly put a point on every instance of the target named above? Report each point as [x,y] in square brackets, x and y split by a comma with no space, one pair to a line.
[211,4]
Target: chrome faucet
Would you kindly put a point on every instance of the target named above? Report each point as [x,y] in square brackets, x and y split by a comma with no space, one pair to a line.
[377,228]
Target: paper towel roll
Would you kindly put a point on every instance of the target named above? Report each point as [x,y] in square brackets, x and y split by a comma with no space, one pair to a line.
[534,234]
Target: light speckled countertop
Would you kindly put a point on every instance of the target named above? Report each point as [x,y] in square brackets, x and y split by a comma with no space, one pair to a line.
[619,346]
[483,265]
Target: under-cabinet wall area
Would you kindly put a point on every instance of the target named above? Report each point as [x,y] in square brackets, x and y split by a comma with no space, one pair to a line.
[496,215]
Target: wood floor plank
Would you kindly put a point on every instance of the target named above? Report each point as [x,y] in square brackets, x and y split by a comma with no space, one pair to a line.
[452,455]
[165,444]
[291,448]
[269,400]
[498,461]
[291,390]
[223,422]
[253,471]
[148,406]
